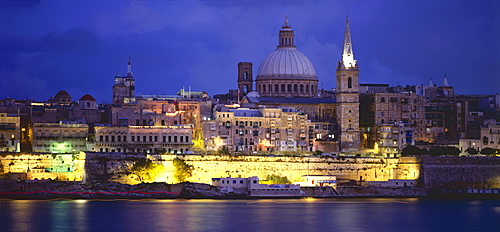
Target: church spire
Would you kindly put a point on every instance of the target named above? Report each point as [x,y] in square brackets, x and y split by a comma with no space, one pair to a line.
[286,38]
[445,81]
[347,53]
[129,68]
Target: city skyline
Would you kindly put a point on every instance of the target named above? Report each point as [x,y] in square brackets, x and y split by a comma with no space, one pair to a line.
[198,44]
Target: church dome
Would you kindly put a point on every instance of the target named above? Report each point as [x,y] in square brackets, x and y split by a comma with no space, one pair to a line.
[286,72]
[287,62]
[87,97]
[62,96]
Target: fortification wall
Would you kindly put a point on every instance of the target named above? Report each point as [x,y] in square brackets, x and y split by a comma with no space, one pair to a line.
[103,166]
[455,172]
[42,166]
[92,167]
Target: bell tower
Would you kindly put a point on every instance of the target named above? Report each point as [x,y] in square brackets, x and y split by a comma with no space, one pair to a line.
[245,80]
[124,88]
[348,96]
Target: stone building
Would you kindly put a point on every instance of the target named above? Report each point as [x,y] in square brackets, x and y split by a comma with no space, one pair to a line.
[10,133]
[62,137]
[124,88]
[265,129]
[146,139]
[381,110]
[391,138]
[489,138]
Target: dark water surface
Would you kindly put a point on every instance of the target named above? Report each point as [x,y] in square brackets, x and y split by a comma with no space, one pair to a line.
[396,214]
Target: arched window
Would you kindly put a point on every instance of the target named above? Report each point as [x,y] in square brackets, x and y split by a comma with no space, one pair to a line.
[258,89]
[245,75]
[349,82]
[301,88]
[282,88]
[295,90]
[263,88]
[276,88]
[270,89]
[88,104]
[307,88]
[289,88]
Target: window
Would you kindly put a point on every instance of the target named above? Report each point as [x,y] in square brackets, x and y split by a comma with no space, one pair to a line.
[349,82]
[382,99]
[276,88]
[282,88]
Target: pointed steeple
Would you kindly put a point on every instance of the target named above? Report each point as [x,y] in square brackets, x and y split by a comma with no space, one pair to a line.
[129,68]
[430,82]
[445,81]
[286,38]
[347,53]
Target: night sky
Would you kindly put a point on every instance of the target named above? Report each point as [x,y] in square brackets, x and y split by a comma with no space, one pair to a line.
[79,46]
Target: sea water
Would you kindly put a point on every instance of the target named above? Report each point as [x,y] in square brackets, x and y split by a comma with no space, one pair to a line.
[345,214]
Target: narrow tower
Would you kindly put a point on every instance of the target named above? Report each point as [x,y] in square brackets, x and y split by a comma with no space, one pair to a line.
[124,88]
[348,96]
[245,80]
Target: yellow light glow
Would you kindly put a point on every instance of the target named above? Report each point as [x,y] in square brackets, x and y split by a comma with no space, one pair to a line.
[233,105]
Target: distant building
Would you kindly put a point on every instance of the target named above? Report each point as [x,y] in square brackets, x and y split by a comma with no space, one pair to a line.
[143,139]
[251,187]
[124,88]
[62,137]
[10,133]
[489,138]
[265,129]
[384,116]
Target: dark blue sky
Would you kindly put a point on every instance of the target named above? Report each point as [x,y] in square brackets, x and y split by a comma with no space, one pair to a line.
[79,46]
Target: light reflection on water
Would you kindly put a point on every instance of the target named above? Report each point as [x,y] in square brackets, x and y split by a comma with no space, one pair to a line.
[309,214]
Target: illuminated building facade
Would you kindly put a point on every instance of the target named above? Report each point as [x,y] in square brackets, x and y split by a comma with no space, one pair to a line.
[265,129]
[62,137]
[384,110]
[10,133]
[143,139]
[390,139]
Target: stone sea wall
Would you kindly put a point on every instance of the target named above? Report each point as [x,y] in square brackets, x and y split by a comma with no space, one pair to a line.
[102,167]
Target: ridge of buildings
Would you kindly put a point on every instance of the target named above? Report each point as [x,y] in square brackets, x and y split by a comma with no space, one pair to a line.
[280,109]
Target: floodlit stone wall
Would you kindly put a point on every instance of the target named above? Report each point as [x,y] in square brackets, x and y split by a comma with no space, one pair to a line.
[41,166]
[102,167]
